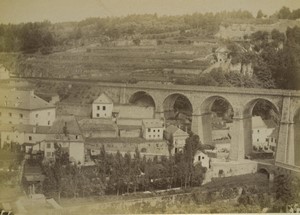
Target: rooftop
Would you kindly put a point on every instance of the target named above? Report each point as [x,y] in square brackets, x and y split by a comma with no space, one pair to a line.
[94,125]
[103,99]
[175,130]
[22,99]
[152,123]
[21,128]
[258,122]
[68,121]
[119,140]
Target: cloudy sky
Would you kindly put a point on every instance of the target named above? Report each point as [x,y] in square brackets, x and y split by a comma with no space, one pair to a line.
[16,11]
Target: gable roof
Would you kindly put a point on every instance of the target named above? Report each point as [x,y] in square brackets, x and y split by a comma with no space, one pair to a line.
[96,125]
[152,123]
[257,122]
[22,99]
[68,121]
[172,129]
[103,99]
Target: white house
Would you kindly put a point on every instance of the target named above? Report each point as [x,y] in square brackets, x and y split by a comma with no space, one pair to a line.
[102,107]
[65,133]
[263,133]
[176,136]
[201,157]
[24,107]
[4,73]
[152,129]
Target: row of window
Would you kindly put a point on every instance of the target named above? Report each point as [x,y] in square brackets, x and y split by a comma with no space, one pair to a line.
[149,130]
[154,136]
[103,107]
[21,115]
[267,140]
[37,124]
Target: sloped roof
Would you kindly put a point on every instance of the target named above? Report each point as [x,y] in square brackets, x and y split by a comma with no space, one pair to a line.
[22,99]
[172,129]
[68,121]
[152,123]
[257,122]
[21,128]
[270,123]
[103,99]
[94,125]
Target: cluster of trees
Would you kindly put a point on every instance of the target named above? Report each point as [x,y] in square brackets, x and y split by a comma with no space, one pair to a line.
[118,174]
[28,37]
[286,13]
[274,57]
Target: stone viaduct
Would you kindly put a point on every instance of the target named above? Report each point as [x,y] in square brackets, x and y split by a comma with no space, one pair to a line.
[285,102]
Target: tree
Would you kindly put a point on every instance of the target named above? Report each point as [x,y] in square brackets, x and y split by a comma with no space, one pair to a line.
[284,13]
[259,15]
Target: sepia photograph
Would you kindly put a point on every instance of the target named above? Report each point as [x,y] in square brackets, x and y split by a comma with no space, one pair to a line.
[149,107]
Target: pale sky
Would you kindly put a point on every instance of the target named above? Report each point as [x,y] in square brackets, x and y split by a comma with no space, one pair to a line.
[16,11]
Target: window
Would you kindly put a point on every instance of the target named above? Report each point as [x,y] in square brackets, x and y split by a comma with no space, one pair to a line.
[157,130]
[154,136]
[103,107]
[10,114]
[29,138]
[272,139]
[267,140]
[36,115]
[9,122]
[257,140]
[98,107]
[153,130]
[76,137]
[202,157]
[21,115]
[149,130]
[48,154]
[48,122]
[48,145]
[157,135]
[199,158]
[98,115]
[150,136]
[258,131]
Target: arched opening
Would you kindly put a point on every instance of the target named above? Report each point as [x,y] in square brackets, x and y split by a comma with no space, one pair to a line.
[263,172]
[297,137]
[178,111]
[264,128]
[217,123]
[142,99]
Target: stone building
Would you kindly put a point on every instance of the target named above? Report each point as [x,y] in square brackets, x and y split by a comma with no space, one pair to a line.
[152,129]
[24,107]
[176,137]
[102,107]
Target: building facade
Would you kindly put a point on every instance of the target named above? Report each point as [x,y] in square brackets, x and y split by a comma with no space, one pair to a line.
[102,107]
[152,129]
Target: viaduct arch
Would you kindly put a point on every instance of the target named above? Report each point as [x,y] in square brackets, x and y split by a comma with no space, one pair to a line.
[242,100]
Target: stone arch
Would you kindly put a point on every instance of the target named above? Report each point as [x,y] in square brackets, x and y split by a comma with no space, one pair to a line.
[208,102]
[261,139]
[264,171]
[205,120]
[177,106]
[248,108]
[142,98]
